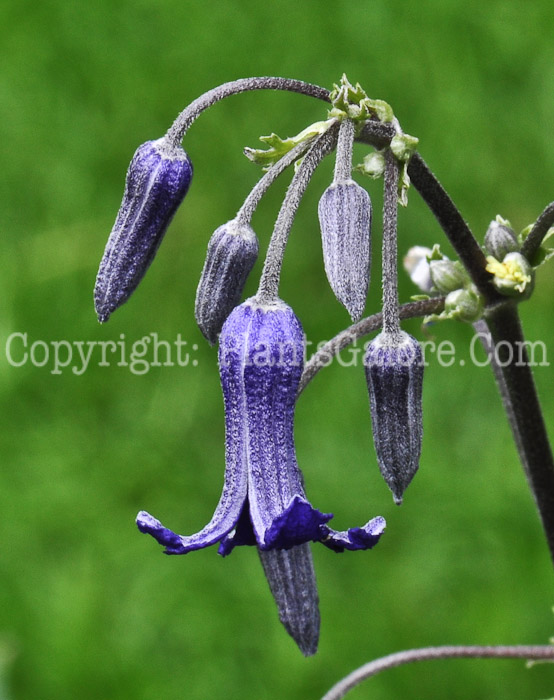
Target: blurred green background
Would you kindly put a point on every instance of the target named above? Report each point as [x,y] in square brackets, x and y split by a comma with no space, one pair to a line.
[89,608]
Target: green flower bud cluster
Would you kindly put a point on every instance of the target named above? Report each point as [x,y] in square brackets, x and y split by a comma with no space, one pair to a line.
[434,273]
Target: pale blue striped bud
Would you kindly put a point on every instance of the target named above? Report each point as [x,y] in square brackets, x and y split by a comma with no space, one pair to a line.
[345,219]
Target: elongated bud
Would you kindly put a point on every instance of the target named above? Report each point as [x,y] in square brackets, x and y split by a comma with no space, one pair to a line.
[157,180]
[394,374]
[232,252]
[500,240]
[345,219]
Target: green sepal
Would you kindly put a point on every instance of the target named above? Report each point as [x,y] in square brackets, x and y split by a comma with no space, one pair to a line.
[279,147]
[352,101]
[420,297]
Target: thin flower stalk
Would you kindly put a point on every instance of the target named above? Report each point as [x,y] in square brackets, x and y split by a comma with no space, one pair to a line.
[269,282]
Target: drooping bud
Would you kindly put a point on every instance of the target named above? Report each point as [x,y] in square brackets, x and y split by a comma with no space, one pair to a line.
[232,252]
[500,239]
[416,264]
[157,180]
[394,374]
[345,219]
[447,275]
[514,276]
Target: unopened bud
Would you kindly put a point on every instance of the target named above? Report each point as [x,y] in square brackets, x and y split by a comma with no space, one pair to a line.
[464,305]
[447,275]
[232,252]
[345,219]
[157,180]
[394,374]
[500,240]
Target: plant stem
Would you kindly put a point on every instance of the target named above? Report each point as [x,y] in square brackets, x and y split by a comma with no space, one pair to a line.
[268,289]
[538,232]
[535,653]
[350,335]
[343,162]
[194,109]
[391,322]
[453,224]
[520,399]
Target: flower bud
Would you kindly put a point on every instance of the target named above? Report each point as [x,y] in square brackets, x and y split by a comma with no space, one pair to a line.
[157,180]
[447,275]
[345,219]
[464,305]
[416,264]
[500,240]
[232,252]
[394,374]
[514,276]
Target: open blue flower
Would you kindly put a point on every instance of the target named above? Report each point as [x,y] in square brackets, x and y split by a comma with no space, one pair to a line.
[263,501]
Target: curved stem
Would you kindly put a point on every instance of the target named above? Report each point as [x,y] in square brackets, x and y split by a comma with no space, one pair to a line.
[530,653]
[190,113]
[512,369]
[325,354]
[268,289]
[538,232]
[453,224]
[390,248]
[245,213]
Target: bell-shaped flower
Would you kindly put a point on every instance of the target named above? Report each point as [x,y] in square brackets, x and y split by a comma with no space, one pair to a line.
[232,252]
[157,180]
[263,503]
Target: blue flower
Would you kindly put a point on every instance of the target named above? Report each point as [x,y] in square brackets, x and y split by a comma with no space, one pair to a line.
[263,501]
[157,180]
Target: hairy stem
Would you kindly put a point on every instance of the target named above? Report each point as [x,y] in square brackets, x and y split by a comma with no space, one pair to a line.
[268,290]
[530,653]
[520,399]
[538,232]
[390,247]
[453,224]
[343,162]
[325,354]
[190,113]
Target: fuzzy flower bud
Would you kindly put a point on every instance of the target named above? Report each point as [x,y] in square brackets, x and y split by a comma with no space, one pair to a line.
[345,219]
[394,374]
[232,252]
[500,240]
[157,180]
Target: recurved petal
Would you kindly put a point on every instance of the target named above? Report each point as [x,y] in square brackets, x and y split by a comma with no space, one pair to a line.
[345,220]
[394,373]
[355,538]
[232,252]
[157,180]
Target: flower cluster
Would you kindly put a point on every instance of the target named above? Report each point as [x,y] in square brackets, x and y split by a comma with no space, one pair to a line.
[261,343]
